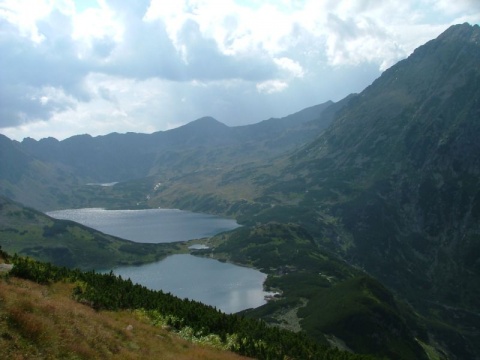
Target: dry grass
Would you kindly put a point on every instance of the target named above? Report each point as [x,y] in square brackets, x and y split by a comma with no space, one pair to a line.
[43,322]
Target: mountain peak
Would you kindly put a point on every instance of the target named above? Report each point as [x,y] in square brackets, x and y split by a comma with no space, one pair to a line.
[207,121]
[463,32]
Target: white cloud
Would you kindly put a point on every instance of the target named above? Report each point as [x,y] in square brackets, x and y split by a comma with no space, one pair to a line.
[271,86]
[24,14]
[291,66]
[457,7]
[97,23]
[149,65]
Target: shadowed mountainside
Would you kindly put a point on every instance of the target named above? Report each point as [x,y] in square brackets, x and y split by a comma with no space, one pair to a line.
[392,186]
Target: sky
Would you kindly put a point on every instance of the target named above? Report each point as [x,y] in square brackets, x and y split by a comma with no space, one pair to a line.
[95,67]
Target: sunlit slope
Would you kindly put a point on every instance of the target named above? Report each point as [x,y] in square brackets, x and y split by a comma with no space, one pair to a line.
[44,322]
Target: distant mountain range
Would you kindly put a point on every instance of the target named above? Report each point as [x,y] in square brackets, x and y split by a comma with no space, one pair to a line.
[388,180]
[40,173]
[121,157]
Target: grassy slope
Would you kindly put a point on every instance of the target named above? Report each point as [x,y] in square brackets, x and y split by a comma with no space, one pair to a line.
[191,320]
[44,322]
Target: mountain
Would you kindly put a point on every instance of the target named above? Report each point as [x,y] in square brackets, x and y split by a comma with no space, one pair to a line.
[404,157]
[385,182]
[30,180]
[50,174]
[392,185]
[399,168]
[121,157]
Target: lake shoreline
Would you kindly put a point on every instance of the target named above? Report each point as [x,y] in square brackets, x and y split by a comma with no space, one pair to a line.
[228,286]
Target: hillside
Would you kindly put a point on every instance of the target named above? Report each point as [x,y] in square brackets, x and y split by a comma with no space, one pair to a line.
[322,295]
[273,248]
[129,321]
[39,322]
[65,243]
[50,174]
[30,180]
[392,186]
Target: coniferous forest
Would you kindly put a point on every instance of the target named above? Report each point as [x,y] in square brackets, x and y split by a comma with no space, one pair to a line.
[245,336]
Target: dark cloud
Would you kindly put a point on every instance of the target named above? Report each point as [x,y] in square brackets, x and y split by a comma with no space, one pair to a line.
[147,51]
[20,103]
[28,67]
[16,106]
[206,62]
[106,94]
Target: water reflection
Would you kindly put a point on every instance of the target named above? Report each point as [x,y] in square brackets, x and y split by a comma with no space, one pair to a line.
[228,287]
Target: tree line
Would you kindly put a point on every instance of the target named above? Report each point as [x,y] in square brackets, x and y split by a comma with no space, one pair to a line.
[246,336]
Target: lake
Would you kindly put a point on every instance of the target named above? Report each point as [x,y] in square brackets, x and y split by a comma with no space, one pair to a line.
[228,287]
[149,225]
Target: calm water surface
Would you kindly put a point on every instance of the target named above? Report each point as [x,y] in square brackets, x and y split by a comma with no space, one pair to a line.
[228,287]
[150,225]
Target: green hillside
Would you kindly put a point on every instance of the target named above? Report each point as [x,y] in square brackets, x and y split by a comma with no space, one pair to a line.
[26,231]
[188,319]
[319,294]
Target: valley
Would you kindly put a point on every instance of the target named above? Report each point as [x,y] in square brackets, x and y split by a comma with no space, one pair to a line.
[364,213]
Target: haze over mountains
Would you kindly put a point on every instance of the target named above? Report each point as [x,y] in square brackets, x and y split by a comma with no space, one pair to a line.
[388,180]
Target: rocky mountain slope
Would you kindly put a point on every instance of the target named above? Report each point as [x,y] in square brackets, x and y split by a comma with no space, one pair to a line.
[392,186]
[400,167]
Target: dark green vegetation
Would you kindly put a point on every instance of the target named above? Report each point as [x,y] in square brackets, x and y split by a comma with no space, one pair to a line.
[392,186]
[385,183]
[245,336]
[320,293]
[29,232]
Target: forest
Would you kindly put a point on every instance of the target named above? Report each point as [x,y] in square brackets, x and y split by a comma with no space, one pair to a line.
[242,335]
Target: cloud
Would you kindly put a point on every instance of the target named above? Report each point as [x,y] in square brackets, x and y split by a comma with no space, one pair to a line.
[111,65]
[271,86]
[291,66]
